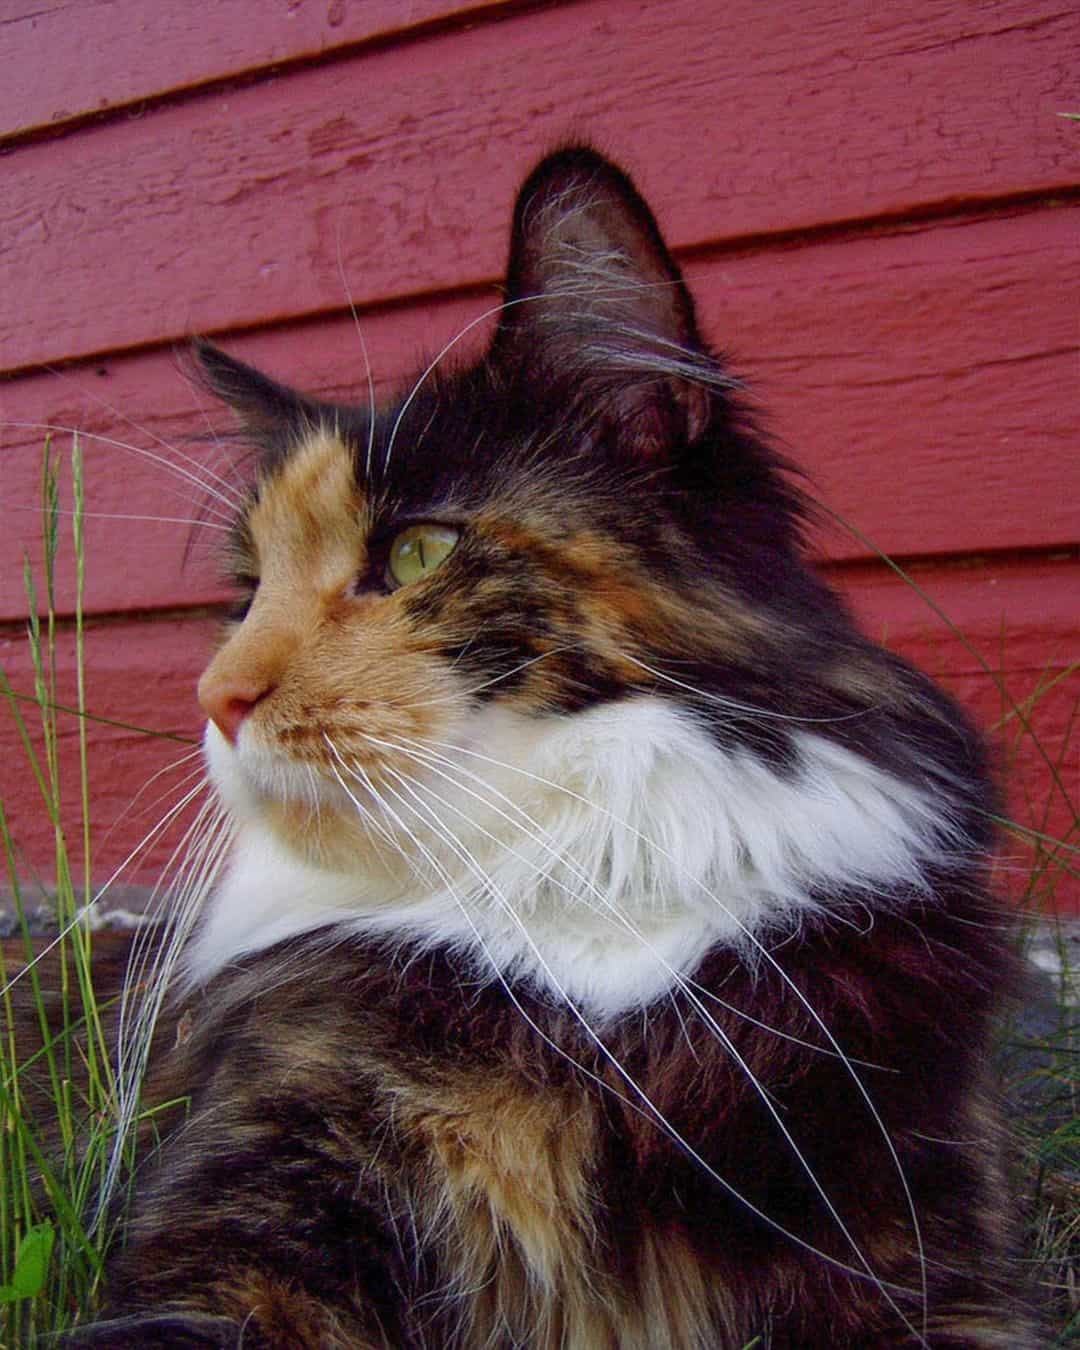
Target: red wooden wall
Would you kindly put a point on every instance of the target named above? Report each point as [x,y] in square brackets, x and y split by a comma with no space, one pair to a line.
[878,207]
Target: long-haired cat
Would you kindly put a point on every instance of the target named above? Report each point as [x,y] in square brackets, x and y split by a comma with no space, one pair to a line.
[603,959]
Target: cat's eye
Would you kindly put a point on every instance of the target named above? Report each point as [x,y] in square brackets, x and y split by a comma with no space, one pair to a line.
[246,586]
[417,551]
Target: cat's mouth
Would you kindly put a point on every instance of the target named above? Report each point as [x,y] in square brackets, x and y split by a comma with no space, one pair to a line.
[368,801]
[334,820]
[251,774]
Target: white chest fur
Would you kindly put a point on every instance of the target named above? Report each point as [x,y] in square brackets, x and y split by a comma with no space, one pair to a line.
[599,856]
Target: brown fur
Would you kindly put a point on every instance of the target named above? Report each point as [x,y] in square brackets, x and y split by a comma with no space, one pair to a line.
[498,1199]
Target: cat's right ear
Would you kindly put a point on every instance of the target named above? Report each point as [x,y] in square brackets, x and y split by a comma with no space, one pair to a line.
[265,407]
[594,300]
[585,247]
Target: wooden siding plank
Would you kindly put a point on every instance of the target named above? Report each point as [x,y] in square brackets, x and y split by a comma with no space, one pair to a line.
[140,674]
[1018,616]
[101,55]
[924,377]
[239,207]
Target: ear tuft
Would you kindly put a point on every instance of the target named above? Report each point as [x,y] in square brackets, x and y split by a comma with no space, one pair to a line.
[585,244]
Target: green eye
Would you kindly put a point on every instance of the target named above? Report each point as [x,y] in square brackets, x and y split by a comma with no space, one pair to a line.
[417,551]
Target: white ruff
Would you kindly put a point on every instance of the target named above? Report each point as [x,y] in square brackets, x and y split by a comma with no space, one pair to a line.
[633,845]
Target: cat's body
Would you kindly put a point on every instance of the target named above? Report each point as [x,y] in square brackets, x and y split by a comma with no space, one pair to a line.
[604,961]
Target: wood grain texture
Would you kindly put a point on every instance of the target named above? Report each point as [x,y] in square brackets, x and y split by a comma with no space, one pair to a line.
[1018,626]
[139,675]
[920,375]
[101,55]
[739,118]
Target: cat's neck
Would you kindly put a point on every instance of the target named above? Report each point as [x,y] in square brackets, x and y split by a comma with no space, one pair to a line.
[598,857]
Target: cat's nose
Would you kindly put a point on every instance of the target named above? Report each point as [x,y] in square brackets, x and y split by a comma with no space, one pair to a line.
[228,702]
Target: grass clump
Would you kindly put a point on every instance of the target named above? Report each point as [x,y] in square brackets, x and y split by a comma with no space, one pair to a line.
[56,1103]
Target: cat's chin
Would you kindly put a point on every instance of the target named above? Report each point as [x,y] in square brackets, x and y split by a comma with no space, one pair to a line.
[250,777]
[313,818]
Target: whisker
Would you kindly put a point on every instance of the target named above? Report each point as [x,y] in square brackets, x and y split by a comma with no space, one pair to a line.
[495,679]
[364,350]
[501,308]
[612,913]
[723,701]
[152,962]
[177,764]
[533,830]
[232,504]
[83,913]
[121,515]
[423,377]
[142,430]
[357,771]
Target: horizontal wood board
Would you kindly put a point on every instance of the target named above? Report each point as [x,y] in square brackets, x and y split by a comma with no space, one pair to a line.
[241,207]
[103,55]
[877,206]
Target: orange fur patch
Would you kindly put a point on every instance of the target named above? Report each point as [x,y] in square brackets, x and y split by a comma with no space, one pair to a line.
[510,1189]
[334,674]
[512,1197]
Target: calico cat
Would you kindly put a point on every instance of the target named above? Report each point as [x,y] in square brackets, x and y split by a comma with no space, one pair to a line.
[604,958]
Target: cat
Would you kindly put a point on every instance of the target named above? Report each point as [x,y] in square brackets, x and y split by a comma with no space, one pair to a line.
[603,957]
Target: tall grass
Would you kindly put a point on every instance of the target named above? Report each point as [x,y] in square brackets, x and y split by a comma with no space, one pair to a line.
[1040,1064]
[58,1103]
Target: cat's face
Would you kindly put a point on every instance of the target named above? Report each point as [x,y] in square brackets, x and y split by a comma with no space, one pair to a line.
[527,537]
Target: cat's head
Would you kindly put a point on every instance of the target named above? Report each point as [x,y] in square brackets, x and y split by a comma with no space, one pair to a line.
[536,639]
[543,531]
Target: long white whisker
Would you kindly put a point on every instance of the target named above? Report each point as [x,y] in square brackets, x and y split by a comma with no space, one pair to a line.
[80,917]
[122,515]
[151,965]
[723,701]
[614,915]
[495,679]
[521,820]
[367,359]
[177,764]
[685,368]
[422,379]
[233,504]
[92,394]
[173,892]
[357,771]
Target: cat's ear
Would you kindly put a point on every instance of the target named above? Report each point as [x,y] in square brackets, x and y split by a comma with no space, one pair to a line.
[590,282]
[265,407]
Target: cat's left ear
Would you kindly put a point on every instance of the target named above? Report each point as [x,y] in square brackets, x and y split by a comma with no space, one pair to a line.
[592,287]
[270,411]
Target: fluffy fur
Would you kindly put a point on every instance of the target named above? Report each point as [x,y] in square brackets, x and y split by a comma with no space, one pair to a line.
[606,905]
[603,960]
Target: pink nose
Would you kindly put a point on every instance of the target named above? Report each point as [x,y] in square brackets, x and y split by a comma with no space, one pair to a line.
[228,702]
